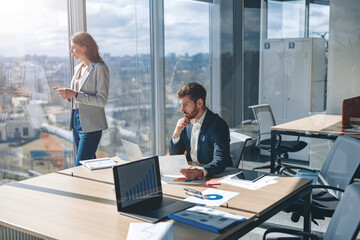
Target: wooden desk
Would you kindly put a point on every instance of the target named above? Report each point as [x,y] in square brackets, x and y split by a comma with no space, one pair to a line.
[57,206]
[264,202]
[325,126]
[100,175]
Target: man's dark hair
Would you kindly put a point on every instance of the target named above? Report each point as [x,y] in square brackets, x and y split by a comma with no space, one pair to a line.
[195,91]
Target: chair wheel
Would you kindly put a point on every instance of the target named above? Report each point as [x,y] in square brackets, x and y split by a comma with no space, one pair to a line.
[295,217]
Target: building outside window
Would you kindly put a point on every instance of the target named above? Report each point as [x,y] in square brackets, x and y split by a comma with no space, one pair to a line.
[122,31]
[187,54]
[34,57]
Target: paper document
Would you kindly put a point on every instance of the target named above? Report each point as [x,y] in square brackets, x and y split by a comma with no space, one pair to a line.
[213,197]
[262,182]
[98,163]
[180,179]
[151,231]
[170,165]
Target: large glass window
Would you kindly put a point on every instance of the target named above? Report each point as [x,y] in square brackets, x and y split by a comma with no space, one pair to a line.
[286,19]
[34,58]
[186,52]
[121,29]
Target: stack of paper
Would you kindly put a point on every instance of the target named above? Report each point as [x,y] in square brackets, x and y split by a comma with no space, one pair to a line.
[170,167]
[98,163]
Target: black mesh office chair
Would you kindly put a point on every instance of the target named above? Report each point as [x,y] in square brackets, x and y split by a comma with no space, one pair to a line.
[237,145]
[336,173]
[344,224]
[265,119]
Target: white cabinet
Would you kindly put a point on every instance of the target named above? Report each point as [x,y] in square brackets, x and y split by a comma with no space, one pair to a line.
[292,73]
[292,78]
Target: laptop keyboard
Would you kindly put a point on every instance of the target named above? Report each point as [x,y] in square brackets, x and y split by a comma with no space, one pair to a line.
[155,205]
[166,202]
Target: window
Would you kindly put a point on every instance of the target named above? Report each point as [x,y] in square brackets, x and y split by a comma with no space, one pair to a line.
[286,19]
[34,57]
[186,52]
[121,29]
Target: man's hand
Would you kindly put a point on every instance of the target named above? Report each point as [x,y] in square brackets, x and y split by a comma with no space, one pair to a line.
[192,174]
[181,124]
[66,93]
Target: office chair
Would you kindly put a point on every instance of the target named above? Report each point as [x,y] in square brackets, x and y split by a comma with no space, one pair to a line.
[265,119]
[336,173]
[237,145]
[345,223]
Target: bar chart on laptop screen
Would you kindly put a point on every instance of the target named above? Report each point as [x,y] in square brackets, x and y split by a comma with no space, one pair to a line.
[141,183]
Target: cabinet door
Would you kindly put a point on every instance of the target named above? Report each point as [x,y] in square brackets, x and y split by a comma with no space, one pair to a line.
[297,79]
[272,82]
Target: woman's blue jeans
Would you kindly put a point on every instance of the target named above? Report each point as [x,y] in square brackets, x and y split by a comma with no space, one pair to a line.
[86,143]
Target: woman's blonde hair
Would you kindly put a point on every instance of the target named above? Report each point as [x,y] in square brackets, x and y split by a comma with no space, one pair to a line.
[92,49]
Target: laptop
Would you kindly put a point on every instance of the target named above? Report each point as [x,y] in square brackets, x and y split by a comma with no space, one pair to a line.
[139,193]
[132,150]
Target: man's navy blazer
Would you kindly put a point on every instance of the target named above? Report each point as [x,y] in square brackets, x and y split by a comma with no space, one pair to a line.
[213,145]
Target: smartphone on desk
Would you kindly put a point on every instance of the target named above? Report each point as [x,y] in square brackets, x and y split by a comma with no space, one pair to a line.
[249,175]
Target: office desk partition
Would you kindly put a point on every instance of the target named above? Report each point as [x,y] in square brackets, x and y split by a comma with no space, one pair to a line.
[57,206]
[325,126]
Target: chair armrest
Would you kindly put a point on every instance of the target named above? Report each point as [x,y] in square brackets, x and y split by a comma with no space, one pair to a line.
[290,231]
[287,168]
[277,136]
[328,187]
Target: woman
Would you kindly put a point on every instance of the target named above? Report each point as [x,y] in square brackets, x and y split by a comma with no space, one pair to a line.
[88,95]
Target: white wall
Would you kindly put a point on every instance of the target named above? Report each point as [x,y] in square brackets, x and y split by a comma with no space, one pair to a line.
[344,53]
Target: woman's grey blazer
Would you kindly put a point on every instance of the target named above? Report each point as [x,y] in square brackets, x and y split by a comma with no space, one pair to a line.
[92,97]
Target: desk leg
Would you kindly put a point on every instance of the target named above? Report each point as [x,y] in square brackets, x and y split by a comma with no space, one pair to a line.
[307,213]
[272,152]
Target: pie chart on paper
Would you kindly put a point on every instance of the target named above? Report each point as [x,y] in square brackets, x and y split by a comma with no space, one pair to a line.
[213,196]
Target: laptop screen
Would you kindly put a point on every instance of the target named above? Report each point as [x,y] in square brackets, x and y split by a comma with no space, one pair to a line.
[137,181]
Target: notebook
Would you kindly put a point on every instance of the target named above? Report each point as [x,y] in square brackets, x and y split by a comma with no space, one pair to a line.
[139,193]
[132,150]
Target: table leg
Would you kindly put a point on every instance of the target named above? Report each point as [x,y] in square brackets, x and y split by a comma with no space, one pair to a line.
[272,152]
[307,213]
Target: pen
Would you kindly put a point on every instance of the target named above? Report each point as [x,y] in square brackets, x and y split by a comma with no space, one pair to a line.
[192,190]
[195,195]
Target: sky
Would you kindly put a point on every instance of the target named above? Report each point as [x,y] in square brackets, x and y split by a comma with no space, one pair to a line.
[39,27]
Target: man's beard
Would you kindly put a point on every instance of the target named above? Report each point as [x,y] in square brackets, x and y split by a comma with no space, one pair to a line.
[192,114]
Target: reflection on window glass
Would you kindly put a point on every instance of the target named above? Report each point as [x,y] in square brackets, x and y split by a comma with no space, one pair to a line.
[186,52]
[286,19]
[121,29]
[34,57]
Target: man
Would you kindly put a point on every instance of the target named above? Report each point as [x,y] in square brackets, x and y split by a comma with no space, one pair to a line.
[203,134]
